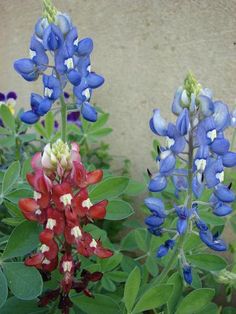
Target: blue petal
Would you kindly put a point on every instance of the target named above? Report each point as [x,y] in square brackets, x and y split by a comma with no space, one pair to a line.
[206,104]
[89,113]
[44,106]
[222,210]
[167,165]
[29,117]
[176,105]
[212,169]
[198,187]
[229,159]
[157,184]
[183,122]
[40,27]
[187,272]
[94,80]
[154,221]
[221,115]
[74,77]
[27,69]
[85,47]
[182,225]
[159,124]
[35,101]
[220,145]
[162,251]
[40,58]
[52,37]
[224,194]
[214,244]
[63,22]
[156,206]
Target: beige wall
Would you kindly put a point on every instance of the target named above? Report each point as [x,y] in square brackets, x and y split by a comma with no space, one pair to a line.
[143,48]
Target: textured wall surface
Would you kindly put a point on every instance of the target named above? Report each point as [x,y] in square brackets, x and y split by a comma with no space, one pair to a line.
[143,48]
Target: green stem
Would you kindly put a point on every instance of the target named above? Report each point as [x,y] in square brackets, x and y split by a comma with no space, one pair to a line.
[179,244]
[63,119]
[17,149]
[233,139]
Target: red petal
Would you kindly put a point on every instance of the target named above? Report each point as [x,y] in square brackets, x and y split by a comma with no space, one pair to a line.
[35,260]
[98,211]
[36,161]
[78,174]
[58,191]
[60,220]
[28,207]
[46,236]
[94,176]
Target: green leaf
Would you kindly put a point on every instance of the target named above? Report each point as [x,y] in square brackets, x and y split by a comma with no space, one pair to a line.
[108,284]
[128,243]
[151,264]
[153,298]
[208,262]
[14,221]
[141,235]
[132,288]
[177,282]
[13,210]
[117,276]
[40,130]
[3,288]
[212,308]
[111,263]
[97,305]
[26,167]
[8,141]
[118,209]
[99,133]
[23,240]
[7,117]
[102,120]
[11,176]
[25,282]
[15,195]
[109,188]
[4,131]
[26,138]
[195,301]
[135,188]
[23,307]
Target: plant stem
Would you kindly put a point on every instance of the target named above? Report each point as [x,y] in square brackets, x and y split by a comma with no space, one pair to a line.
[63,119]
[179,244]
[233,139]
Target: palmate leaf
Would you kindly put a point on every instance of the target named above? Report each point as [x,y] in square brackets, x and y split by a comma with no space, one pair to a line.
[10,177]
[132,286]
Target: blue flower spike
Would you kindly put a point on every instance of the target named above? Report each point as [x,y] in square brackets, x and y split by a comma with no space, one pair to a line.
[192,155]
[55,38]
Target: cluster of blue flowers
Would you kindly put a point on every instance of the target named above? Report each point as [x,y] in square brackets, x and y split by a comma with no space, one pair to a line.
[56,40]
[197,140]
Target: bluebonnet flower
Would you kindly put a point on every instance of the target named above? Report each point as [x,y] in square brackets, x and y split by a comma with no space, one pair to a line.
[196,139]
[55,35]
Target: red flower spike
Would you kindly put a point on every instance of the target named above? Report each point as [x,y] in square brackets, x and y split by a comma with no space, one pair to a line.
[94,177]
[31,210]
[62,195]
[55,221]
[48,297]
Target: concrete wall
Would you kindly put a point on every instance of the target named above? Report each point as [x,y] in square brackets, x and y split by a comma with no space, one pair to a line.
[143,48]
